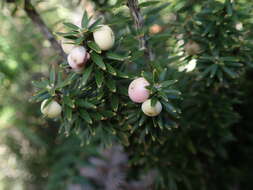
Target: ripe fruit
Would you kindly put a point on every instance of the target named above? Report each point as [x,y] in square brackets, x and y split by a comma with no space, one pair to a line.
[78,58]
[149,110]
[155,29]
[192,48]
[104,37]
[52,110]
[137,90]
[66,47]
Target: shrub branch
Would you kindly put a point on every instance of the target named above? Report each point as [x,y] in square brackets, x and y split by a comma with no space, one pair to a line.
[139,24]
[36,19]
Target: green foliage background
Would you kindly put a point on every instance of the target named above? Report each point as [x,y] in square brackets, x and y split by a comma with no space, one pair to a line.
[211,146]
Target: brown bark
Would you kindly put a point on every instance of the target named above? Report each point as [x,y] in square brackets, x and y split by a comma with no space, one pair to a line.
[36,19]
[139,23]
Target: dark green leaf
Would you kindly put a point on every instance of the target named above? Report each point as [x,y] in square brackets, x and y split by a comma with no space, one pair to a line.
[114,102]
[85,115]
[168,83]
[111,70]
[52,76]
[115,56]
[229,72]
[148,3]
[85,20]
[99,78]
[95,25]
[71,26]
[86,75]
[111,85]
[153,101]
[98,60]
[94,46]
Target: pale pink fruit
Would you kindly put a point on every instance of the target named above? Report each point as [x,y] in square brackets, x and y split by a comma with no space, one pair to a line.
[137,90]
[78,58]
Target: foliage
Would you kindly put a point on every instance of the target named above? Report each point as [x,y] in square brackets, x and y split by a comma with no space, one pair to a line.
[201,140]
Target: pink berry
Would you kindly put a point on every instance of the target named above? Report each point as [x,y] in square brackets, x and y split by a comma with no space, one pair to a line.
[78,58]
[137,90]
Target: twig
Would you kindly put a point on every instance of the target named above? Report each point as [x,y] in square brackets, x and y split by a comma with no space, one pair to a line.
[35,17]
[139,23]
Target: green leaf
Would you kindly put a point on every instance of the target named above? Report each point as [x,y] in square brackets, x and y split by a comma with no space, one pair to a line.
[115,56]
[59,77]
[68,101]
[85,20]
[40,84]
[96,116]
[171,91]
[95,25]
[142,119]
[124,139]
[68,35]
[229,72]
[168,83]
[86,104]
[94,46]
[213,71]
[98,60]
[163,96]
[153,101]
[99,78]
[148,3]
[206,72]
[191,147]
[111,85]
[170,108]
[66,81]
[41,96]
[86,75]
[80,40]
[229,8]
[163,74]
[114,102]
[52,76]
[85,115]
[147,75]
[108,113]
[68,113]
[124,75]
[111,70]
[71,26]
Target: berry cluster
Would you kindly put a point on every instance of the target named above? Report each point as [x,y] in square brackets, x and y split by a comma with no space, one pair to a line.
[138,93]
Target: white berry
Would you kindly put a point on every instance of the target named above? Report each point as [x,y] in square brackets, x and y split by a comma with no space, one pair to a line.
[104,37]
[52,110]
[151,110]
[66,46]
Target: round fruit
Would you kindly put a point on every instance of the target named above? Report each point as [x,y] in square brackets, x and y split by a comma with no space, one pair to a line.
[104,37]
[137,90]
[155,29]
[52,110]
[192,48]
[78,58]
[149,110]
[66,47]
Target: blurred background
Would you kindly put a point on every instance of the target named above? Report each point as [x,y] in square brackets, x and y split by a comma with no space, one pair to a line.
[34,156]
